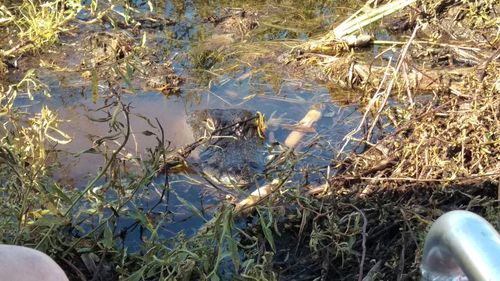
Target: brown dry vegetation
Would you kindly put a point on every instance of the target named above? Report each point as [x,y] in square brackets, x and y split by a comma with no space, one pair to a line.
[441,125]
[429,141]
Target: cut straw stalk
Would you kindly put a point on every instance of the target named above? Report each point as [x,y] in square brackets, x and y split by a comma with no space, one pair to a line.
[247,205]
[357,21]
[307,122]
[255,197]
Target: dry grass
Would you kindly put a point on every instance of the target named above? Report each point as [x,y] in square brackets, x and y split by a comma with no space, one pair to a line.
[428,142]
[451,139]
[426,120]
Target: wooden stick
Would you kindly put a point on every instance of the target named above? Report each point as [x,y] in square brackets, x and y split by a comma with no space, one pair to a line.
[258,195]
[307,122]
[368,16]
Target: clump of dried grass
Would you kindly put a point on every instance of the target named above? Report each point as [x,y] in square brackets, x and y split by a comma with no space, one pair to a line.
[450,139]
[428,142]
[443,114]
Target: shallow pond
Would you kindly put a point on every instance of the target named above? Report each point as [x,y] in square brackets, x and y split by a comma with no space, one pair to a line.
[241,72]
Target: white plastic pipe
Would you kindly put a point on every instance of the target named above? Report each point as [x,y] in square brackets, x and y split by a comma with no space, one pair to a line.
[461,246]
[19,263]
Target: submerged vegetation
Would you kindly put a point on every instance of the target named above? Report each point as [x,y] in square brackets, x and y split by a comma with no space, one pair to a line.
[424,78]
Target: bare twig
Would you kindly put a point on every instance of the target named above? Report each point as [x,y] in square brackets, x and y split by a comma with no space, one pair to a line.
[77,271]
[363,242]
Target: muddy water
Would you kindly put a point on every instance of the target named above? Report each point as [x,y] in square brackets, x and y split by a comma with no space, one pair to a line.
[84,130]
[283,99]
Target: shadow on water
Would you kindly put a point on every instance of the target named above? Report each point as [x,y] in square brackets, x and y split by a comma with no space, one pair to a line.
[239,77]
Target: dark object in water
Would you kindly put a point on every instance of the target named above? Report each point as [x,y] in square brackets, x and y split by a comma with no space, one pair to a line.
[233,156]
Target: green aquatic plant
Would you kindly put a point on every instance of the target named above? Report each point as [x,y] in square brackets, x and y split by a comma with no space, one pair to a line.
[24,161]
[41,23]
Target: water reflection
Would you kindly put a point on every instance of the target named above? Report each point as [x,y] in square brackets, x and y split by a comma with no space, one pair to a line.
[170,113]
[247,78]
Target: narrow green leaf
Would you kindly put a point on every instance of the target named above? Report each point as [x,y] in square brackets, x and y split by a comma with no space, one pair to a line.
[267,231]
[233,248]
[61,193]
[130,71]
[136,276]
[88,150]
[115,115]
[49,220]
[214,277]
[95,84]
[231,243]
[107,240]
[189,206]
[126,79]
